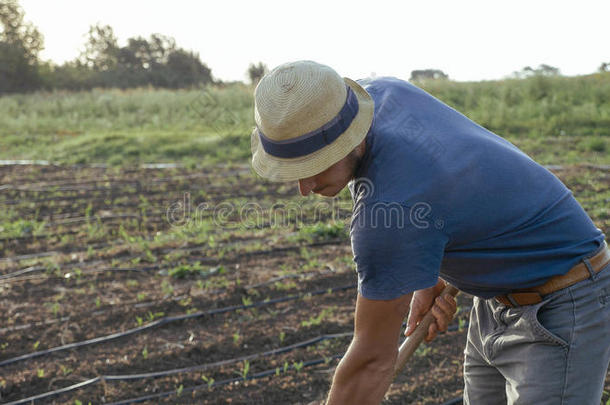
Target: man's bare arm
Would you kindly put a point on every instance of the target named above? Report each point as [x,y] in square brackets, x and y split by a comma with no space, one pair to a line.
[365,372]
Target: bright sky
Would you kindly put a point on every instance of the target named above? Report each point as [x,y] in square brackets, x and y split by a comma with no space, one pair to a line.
[467,39]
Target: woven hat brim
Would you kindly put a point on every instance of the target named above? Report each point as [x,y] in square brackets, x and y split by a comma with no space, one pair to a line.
[282,169]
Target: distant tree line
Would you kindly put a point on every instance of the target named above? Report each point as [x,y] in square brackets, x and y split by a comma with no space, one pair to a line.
[541,70]
[256,72]
[527,71]
[155,61]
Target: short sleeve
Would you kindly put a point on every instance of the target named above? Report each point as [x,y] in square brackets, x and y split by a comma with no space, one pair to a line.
[397,249]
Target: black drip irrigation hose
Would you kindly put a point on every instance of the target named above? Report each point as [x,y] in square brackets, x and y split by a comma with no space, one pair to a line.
[200,367]
[262,374]
[208,260]
[16,278]
[31,400]
[31,269]
[164,373]
[71,181]
[166,320]
[454,401]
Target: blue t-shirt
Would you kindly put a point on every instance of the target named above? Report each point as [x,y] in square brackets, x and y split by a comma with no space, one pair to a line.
[437,194]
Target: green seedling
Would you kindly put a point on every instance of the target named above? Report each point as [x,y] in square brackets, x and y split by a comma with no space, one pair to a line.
[179,390]
[209,381]
[167,288]
[282,336]
[149,256]
[54,269]
[145,353]
[151,317]
[322,231]
[54,307]
[40,373]
[185,270]
[236,337]
[35,345]
[65,370]
[314,321]
[287,285]
[245,369]
[297,366]
[423,351]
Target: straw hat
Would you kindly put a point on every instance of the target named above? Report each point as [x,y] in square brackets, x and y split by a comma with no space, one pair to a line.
[307,119]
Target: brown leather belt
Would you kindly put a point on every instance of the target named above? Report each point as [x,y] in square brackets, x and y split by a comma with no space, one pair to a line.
[580,272]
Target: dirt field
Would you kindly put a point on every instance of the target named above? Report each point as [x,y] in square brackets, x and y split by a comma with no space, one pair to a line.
[172,286]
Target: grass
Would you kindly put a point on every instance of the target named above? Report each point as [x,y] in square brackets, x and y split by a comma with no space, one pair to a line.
[128,127]
[556,120]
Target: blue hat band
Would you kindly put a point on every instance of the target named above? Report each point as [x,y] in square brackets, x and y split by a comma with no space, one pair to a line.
[313,141]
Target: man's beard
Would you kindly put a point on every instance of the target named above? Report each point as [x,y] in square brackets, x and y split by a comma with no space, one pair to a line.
[353,160]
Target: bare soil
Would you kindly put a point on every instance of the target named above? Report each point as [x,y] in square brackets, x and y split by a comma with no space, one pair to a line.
[100,266]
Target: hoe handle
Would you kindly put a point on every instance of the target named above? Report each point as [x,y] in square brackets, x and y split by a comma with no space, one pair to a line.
[411,343]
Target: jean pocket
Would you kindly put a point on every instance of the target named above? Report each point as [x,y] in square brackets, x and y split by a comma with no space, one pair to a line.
[552,323]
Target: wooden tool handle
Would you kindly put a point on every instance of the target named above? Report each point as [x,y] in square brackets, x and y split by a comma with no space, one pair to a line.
[411,343]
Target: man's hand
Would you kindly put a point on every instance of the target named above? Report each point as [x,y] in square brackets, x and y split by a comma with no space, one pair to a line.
[444,309]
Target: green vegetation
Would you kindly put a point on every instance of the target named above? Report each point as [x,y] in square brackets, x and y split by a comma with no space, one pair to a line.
[314,321]
[555,119]
[245,369]
[535,106]
[324,231]
[20,228]
[128,127]
[208,380]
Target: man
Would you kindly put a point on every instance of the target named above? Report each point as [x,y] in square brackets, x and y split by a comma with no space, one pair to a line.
[437,195]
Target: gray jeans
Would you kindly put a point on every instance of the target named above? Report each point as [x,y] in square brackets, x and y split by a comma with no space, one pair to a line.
[556,352]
